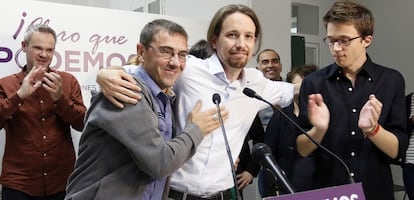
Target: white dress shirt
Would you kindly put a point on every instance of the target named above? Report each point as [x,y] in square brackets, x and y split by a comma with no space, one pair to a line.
[208,171]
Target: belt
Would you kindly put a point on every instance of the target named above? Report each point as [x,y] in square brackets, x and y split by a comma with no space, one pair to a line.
[177,195]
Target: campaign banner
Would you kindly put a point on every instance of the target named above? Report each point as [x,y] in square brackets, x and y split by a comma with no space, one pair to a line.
[88,39]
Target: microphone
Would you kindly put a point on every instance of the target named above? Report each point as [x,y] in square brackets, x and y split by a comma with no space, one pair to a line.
[262,154]
[251,93]
[216,101]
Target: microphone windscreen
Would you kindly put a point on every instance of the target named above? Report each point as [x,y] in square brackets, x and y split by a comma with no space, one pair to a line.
[249,92]
[259,151]
[216,98]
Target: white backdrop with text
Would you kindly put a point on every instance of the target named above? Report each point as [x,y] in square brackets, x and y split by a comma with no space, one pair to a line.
[88,39]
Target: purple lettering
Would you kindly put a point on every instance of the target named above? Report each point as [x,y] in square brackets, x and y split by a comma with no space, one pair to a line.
[20,26]
[109,60]
[39,20]
[96,39]
[121,40]
[69,60]
[57,59]
[8,54]
[87,59]
[74,37]
[16,58]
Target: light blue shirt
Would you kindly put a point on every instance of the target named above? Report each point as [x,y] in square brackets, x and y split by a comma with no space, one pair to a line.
[156,188]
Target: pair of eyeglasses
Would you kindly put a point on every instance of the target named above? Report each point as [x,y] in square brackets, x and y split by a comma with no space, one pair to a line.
[342,41]
[168,53]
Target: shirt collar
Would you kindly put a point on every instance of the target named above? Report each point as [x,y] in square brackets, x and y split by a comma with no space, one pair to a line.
[152,85]
[214,65]
[216,68]
[368,70]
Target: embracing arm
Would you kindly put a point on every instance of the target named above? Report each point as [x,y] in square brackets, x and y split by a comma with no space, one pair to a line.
[118,86]
[136,127]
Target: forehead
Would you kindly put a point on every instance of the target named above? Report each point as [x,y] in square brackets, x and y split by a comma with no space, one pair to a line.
[41,37]
[238,22]
[174,40]
[268,55]
[341,29]
[42,40]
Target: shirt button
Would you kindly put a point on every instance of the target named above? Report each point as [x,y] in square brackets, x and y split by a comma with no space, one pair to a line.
[19,104]
[352,153]
[41,101]
[353,133]
[44,155]
[44,137]
[44,174]
[350,89]
[353,110]
[43,119]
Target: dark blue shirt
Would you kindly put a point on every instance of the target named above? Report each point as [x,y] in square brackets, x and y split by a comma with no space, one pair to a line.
[367,163]
[156,188]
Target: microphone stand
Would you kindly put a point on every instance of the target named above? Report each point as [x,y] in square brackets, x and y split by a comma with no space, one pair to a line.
[216,101]
[251,93]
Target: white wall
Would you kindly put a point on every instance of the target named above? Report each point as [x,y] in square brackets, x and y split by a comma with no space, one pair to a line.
[198,8]
[275,20]
[393,37]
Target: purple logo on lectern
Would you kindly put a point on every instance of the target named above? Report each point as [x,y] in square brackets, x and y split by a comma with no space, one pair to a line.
[342,192]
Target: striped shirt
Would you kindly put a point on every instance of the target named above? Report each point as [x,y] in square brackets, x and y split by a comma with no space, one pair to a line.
[410,150]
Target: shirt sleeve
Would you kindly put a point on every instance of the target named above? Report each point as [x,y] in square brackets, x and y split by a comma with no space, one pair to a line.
[70,106]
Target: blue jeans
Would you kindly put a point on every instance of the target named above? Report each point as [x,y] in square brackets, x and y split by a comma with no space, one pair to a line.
[408,176]
[11,194]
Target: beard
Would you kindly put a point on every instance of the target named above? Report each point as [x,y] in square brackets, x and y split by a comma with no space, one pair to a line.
[237,63]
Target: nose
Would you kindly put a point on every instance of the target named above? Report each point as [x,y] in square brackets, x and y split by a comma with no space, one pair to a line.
[174,61]
[240,42]
[337,46]
[43,53]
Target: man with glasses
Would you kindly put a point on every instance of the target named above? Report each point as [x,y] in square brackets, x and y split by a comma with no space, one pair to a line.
[128,154]
[235,34]
[366,122]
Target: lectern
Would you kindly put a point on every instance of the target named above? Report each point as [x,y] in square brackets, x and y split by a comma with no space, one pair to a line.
[343,192]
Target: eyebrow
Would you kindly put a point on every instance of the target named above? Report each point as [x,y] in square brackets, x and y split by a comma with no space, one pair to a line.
[172,48]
